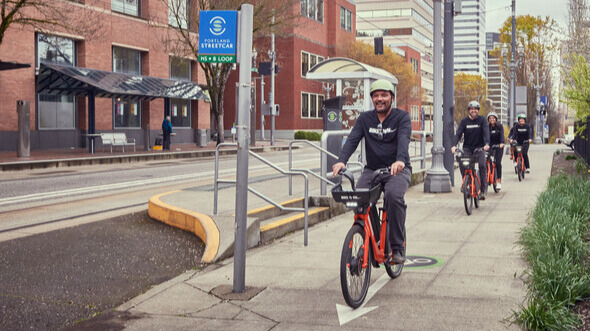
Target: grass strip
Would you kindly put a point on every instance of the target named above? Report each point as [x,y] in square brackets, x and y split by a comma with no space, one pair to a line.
[555,245]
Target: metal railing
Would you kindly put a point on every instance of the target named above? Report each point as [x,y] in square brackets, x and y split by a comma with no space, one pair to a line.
[582,141]
[422,157]
[305,208]
[323,178]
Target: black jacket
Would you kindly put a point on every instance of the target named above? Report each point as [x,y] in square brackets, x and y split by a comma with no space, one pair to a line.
[384,146]
[497,135]
[476,132]
[522,133]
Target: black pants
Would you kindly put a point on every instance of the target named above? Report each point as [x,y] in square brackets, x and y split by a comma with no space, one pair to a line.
[394,203]
[481,160]
[166,142]
[498,153]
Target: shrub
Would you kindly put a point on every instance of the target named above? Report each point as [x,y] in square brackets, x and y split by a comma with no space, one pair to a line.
[556,251]
[308,135]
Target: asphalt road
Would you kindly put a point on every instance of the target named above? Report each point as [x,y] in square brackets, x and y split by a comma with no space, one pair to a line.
[53,280]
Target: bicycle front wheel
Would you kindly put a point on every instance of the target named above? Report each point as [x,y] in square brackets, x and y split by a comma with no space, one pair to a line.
[467,198]
[519,170]
[354,279]
[495,179]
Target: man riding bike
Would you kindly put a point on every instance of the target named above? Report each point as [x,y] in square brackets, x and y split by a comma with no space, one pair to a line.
[497,138]
[387,132]
[522,133]
[476,134]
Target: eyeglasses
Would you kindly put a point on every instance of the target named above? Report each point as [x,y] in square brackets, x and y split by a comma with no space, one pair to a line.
[380,133]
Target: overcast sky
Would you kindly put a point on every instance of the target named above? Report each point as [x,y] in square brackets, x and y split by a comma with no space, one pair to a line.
[498,10]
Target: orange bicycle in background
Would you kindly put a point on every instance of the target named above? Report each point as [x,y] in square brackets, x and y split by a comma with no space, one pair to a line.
[471,183]
[518,156]
[492,174]
[367,242]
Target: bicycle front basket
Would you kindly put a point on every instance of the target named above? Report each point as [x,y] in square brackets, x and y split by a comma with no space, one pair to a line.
[360,197]
[518,149]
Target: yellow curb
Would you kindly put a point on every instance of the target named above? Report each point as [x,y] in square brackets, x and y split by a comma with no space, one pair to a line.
[200,224]
[290,219]
[265,208]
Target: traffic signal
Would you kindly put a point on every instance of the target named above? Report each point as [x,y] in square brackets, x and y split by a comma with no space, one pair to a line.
[264,68]
[378,45]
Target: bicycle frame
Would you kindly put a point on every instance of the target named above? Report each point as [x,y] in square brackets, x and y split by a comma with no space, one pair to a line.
[379,253]
[473,177]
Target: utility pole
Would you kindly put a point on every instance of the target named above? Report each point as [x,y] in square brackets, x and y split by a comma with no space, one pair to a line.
[261,107]
[245,26]
[273,56]
[437,178]
[538,120]
[449,90]
[513,69]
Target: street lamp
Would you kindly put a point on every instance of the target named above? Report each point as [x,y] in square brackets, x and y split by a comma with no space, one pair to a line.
[512,65]
[539,127]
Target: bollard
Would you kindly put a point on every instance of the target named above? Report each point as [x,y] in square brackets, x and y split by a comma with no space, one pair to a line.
[23,143]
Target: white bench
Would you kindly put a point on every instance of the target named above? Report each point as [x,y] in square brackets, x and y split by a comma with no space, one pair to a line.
[117,139]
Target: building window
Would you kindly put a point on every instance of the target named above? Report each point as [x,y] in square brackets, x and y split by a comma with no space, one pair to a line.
[180,113]
[311,105]
[345,19]
[309,60]
[177,13]
[415,113]
[56,111]
[313,9]
[129,7]
[127,113]
[415,65]
[126,60]
[180,69]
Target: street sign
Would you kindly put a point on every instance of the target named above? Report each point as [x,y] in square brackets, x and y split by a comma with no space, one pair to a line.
[218,36]
[543,99]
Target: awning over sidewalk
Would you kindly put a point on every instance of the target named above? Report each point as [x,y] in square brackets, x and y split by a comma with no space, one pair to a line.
[68,80]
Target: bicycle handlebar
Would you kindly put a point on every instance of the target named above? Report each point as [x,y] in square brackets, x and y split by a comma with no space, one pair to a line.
[348,174]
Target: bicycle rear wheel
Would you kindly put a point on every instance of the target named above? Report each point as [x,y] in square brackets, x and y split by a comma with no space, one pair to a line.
[354,279]
[467,198]
[495,176]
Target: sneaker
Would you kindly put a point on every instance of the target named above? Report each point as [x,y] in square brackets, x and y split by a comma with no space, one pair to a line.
[514,164]
[528,171]
[499,186]
[398,257]
[482,196]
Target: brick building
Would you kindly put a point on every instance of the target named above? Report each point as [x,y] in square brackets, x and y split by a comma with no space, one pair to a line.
[126,44]
[324,31]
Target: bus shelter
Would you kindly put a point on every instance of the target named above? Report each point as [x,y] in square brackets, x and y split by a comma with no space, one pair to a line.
[352,79]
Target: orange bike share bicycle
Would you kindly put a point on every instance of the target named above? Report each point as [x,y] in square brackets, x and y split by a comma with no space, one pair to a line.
[471,183]
[367,241]
[492,175]
[520,168]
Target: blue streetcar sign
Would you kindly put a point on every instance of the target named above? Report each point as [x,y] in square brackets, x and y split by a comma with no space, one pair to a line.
[218,36]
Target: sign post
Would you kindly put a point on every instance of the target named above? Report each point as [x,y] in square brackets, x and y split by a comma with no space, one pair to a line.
[218,44]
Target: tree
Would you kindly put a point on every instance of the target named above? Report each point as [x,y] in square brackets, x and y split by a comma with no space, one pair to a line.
[180,37]
[408,88]
[469,88]
[577,88]
[536,35]
[48,14]
[579,31]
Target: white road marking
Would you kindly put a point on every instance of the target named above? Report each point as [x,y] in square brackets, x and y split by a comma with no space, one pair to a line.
[347,314]
[142,182]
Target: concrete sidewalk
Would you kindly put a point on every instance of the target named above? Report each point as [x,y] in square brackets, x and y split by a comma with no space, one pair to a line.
[475,284]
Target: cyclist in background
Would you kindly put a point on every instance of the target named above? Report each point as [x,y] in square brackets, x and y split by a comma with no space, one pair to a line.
[497,138]
[387,132]
[522,133]
[510,134]
[476,133]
